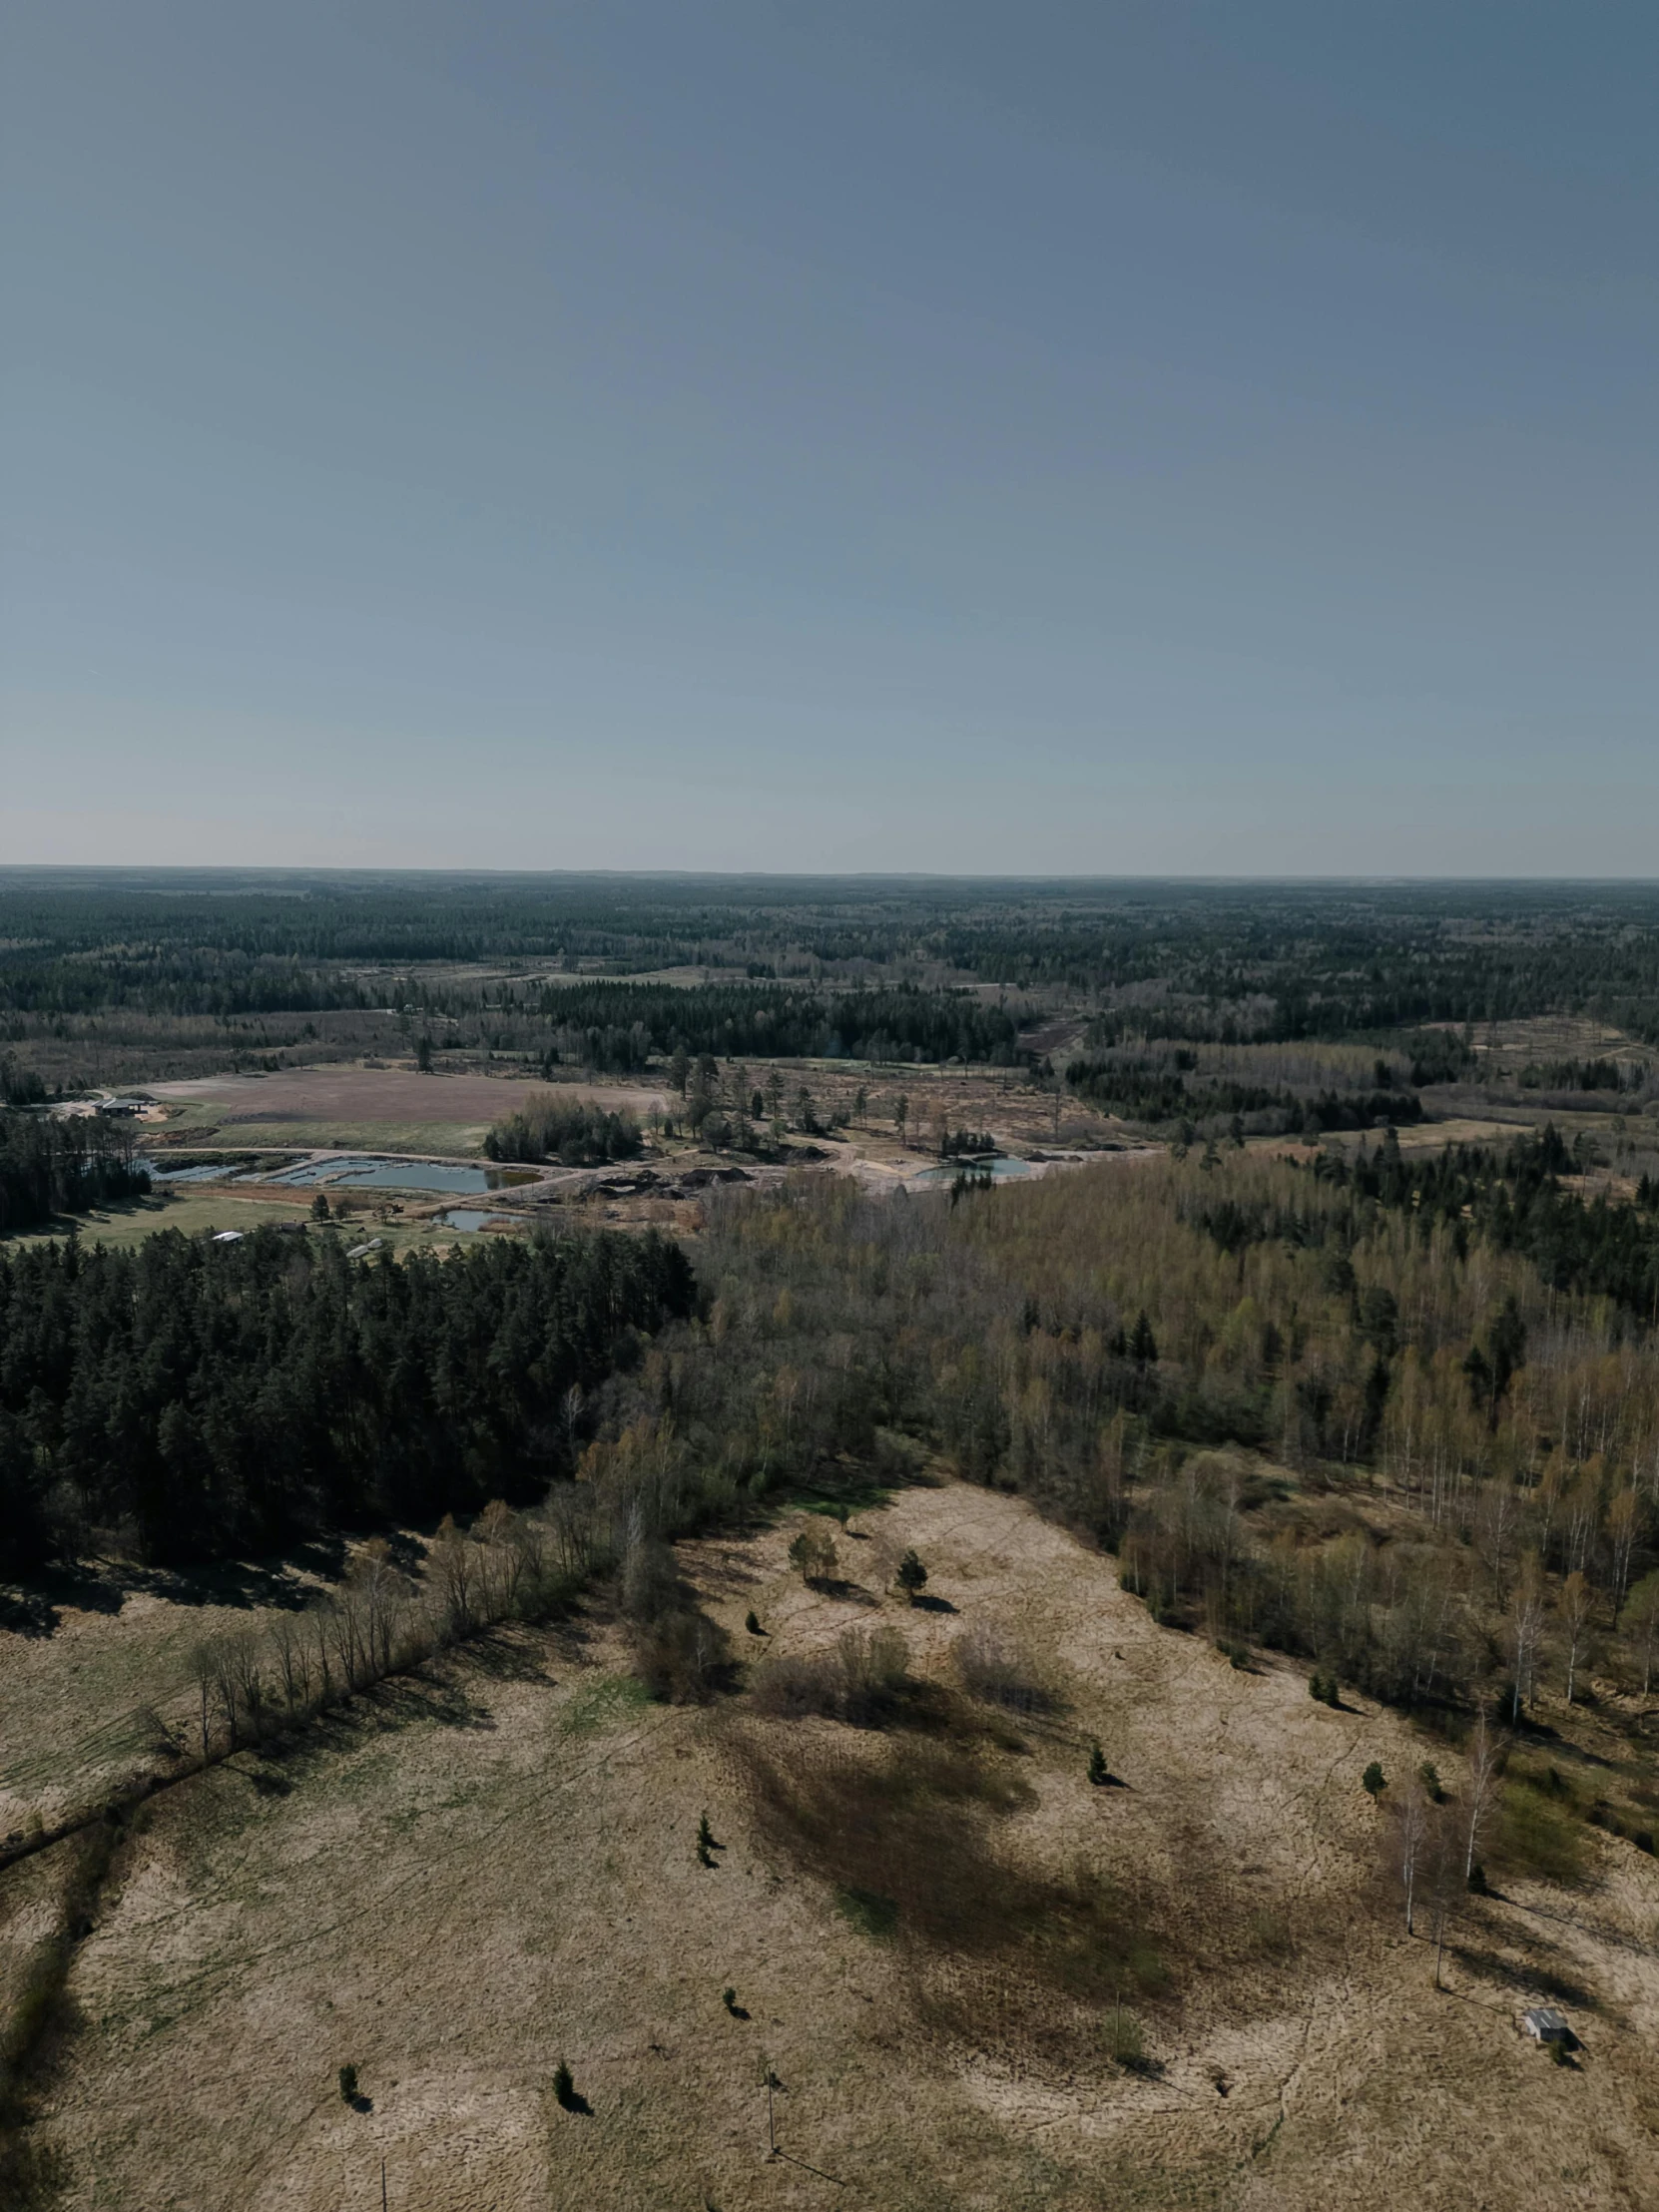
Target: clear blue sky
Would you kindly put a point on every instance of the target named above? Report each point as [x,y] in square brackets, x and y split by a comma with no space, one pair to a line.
[834,434]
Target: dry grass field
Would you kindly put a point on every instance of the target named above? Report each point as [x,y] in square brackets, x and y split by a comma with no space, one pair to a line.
[463,1880]
[395,1108]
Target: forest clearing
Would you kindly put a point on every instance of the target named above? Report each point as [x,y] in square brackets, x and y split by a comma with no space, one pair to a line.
[461,1882]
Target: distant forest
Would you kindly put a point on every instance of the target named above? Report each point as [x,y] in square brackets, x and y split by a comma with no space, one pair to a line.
[1267,962]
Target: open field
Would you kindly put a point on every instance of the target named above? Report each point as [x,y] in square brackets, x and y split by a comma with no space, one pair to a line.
[384,1108]
[204,1210]
[463,1881]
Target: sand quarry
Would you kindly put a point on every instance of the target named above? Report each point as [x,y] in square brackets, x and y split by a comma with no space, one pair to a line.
[463,1880]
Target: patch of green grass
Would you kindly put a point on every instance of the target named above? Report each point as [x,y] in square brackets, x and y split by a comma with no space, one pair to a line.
[876,1916]
[601,1704]
[1539,1835]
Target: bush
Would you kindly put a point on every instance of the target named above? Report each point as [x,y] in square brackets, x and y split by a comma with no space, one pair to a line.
[1374,1780]
[864,1681]
[813,1554]
[683,1658]
[913,1576]
[564,2086]
[1125,2041]
[1099,1773]
[349,2085]
[996,1675]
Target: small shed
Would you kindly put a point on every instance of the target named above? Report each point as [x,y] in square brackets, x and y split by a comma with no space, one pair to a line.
[1545,2024]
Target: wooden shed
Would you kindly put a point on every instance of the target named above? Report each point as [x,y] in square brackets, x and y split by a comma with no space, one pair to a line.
[1545,2024]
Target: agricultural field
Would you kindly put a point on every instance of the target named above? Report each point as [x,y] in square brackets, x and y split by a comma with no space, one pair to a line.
[348,1107]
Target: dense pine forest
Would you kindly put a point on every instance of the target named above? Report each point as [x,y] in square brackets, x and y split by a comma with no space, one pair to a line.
[51,1167]
[192,1399]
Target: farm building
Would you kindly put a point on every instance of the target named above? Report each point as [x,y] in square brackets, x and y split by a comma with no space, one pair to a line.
[1545,2024]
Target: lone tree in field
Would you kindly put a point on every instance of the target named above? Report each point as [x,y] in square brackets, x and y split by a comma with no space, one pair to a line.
[349,2085]
[912,1576]
[707,1842]
[1099,1773]
[564,2086]
[1374,1780]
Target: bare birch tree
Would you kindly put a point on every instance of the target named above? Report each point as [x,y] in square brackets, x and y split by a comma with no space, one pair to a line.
[1526,1624]
[1485,1763]
[1576,1606]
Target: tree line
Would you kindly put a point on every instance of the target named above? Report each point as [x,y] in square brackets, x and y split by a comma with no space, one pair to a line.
[569,1130]
[189,1399]
[618,1027]
[52,1164]
[1159,1093]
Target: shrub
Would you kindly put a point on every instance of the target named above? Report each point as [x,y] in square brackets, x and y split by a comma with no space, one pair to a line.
[751,1621]
[564,2086]
[996,1675]
[1099,1773]
[1374,1780]
[682,1658]
[913,1576]
[1125,2041]
[863,1681]
[812,1554]
[349,2085]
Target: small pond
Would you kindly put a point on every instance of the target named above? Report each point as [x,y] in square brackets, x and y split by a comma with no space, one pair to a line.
[467,1216]
[379,1174]
[999,1170]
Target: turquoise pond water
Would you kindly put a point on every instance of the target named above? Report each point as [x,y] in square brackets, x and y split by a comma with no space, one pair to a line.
[999,1170]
